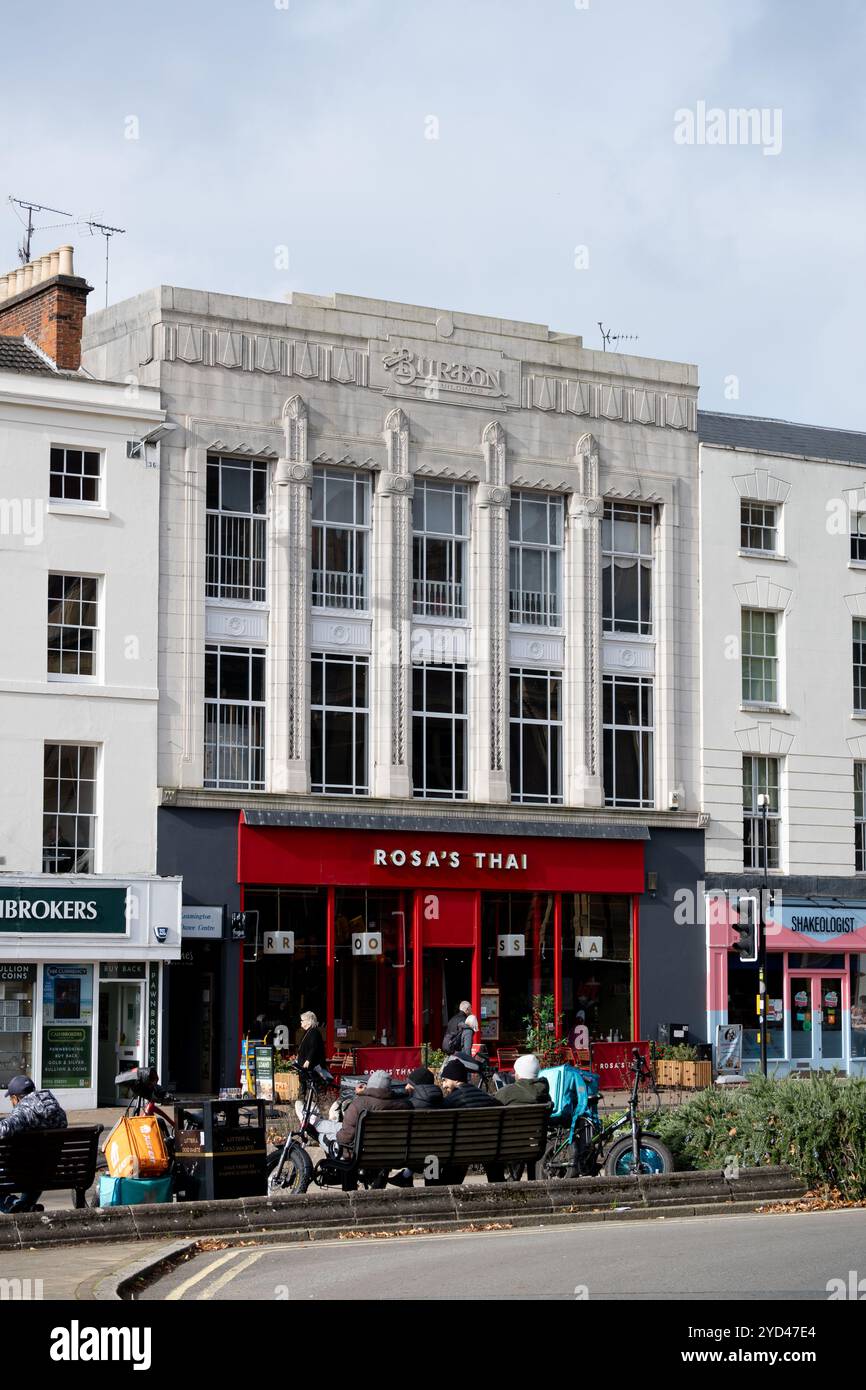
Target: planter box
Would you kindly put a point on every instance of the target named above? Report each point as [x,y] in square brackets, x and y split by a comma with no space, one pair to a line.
[288,1085]
[689,1076]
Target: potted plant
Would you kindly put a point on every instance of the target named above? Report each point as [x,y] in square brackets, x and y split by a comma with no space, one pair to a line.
[677,1065]
[286,1083]
[543,1027]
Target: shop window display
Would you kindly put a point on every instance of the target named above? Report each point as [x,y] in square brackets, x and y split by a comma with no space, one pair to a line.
[16,1021]
[742,993]
[279,988]
[520,978]
[597,965]
[372,991]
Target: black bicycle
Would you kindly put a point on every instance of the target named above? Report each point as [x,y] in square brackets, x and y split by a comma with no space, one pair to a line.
[584,1149]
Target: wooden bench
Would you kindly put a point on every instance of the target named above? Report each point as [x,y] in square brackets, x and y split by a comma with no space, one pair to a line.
[396,1139]
[48,1160]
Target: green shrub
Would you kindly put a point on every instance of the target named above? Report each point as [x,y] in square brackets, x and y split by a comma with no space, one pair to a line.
[815,1123]
[676,1052]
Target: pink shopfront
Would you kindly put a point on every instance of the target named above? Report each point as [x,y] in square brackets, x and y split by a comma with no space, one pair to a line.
[816,983]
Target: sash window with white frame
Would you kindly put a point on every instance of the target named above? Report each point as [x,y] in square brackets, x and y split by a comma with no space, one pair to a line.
[341,537]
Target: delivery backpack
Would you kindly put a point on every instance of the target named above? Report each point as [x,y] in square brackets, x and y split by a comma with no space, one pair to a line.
[135,1148]
[570,1092]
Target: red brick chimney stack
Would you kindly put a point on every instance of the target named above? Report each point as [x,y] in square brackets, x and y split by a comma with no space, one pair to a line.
[47,301]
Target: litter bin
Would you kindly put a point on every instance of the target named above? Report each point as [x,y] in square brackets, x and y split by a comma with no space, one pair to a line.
[220,1149]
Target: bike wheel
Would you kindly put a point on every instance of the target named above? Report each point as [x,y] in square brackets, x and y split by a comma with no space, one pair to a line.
[290,1172]
[558,1159]
[655,1157]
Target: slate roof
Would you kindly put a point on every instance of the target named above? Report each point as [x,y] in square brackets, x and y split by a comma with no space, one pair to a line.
[16,356]
[781,437]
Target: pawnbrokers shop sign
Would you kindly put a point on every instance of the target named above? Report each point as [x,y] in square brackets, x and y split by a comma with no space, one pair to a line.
[87,911]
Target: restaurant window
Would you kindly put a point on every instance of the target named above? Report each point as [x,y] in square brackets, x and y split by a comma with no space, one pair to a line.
[440,532]
[859,666]
[373,990]
[597,985]
[860,818]
[439,731]
[278,988]
[759,527]
[536,736]
[17,984]
[857,968]
[741,1004]
[75,475]
[338,725]
[72,625]
[69,809]
[519,978]
[535,559]
[760,778]
[627,568]
[236,532]
[234,738]
[341,538]
[627,718]
[760,657]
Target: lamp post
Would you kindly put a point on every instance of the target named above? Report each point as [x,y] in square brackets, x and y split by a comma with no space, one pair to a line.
[764,807]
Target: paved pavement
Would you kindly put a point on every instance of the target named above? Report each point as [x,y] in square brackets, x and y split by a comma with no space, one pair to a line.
[733,1257]
[73,1272]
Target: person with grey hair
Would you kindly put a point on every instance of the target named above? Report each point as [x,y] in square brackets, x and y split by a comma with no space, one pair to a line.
[461,1031]
[311,1050]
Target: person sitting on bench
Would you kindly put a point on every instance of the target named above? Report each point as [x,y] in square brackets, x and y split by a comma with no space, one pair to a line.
[528,1087]
[31,1109]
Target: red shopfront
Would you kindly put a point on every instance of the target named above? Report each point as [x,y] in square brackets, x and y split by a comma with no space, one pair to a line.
[382,933]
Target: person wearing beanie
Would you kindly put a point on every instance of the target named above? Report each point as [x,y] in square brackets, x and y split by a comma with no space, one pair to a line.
[528,1087]
[422,1090]
[31,1109]
[460,1093]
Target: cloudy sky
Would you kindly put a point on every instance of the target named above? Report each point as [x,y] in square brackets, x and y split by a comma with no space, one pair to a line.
[522,158]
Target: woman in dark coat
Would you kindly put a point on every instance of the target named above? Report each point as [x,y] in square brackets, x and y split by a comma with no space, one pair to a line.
[311,1052]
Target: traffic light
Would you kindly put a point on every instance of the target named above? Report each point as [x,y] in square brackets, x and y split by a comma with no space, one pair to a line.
[747,928]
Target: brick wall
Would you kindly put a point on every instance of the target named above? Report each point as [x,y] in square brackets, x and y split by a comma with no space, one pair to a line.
[51,314]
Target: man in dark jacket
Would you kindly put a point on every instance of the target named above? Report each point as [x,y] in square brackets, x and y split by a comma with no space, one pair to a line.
[528,1088]
[460,1094]
[422,1090]
[460,1030]
[31,1109]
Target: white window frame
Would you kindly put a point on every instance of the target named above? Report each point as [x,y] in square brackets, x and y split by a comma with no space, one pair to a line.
[760,665]
[858,537]
[64,472]
[230,533]
[748,525]
[858,659]
[77,677]
[256,725]
[360,715]
[646,760]
[84,856]
[459,731]
[528,608]
[521,722]
[438,598]
[860,818]
[752,814]
[345,591]
[638,512]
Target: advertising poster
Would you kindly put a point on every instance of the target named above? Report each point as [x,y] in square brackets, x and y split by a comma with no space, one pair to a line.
[67,1025]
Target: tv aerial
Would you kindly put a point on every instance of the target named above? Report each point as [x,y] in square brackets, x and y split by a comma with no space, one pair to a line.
[608,337]
[108,232]
[30,208]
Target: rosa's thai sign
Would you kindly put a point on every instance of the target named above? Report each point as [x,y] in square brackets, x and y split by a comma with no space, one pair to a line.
[92,911]
[375,858]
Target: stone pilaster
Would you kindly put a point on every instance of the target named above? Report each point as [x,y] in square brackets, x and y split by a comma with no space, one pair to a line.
[290,591]
[584,783]
[488,675]
[391,661]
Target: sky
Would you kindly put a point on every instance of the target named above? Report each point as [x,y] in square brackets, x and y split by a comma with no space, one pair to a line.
[539,160]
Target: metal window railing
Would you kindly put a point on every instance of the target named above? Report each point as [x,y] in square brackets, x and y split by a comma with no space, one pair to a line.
[438,598]
[235,557]
[337,589]
[234,746]
[535,609]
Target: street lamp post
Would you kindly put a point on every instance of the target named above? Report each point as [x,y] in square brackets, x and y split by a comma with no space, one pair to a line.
[764,807]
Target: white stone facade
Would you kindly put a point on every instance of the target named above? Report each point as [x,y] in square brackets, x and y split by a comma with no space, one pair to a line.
[404,394]
[113,540]
[815,591]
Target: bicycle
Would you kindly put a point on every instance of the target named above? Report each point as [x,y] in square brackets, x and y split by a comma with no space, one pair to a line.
[582,1149]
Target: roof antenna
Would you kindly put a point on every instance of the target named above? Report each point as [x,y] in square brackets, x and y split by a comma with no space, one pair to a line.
[24,248]
[108,233]
[608,336]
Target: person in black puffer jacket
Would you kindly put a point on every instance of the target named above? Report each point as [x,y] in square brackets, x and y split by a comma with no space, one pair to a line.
[459,1094]
[422,1090]
[311,1050]
[31,1109]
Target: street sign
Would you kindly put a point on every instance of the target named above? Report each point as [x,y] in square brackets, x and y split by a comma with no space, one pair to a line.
[729,1049]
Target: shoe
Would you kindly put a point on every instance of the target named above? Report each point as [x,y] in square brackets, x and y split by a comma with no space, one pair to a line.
[402,1180]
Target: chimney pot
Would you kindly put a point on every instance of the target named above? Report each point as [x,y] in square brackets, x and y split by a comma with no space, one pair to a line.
[27,276]
[53,263]
[3,290]
[65,254]
[36,271]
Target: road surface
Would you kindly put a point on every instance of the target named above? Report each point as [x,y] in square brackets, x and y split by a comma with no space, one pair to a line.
[722,1257]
